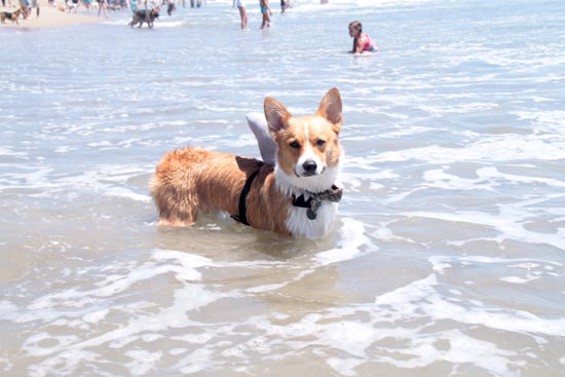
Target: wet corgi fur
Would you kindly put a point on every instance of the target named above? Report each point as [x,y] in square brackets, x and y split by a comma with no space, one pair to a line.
[191,180]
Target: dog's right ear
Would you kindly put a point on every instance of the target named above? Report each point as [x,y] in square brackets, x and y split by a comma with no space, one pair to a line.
[276,114]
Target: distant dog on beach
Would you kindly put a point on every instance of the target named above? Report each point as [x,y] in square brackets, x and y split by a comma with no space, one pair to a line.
[71,5]
[12,16]
[298,196]
[144,15]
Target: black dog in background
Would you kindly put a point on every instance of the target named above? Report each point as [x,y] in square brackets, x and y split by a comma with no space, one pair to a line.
[144,15]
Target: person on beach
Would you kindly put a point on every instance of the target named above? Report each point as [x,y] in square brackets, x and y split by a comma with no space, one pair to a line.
[240,4]
[72,4]
[284,4]
[266,12]
[171,7]
[103,4]
[35,4]
[361,41]
[25,5]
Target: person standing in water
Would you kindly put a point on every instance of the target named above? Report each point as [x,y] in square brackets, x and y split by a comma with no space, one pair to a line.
[103,5]
[361,41]
[284,4]
[240,4]
[266,12]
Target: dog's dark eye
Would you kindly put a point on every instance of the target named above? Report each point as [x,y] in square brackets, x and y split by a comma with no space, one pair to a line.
[295,144]
[320,142]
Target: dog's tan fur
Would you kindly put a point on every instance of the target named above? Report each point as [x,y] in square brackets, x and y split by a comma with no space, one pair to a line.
[193,180]
[13,16]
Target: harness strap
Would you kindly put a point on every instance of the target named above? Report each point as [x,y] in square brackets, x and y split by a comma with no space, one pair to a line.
[242,208]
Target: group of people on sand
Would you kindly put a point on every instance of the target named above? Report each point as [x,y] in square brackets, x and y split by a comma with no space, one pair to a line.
[70,5]
[103,5]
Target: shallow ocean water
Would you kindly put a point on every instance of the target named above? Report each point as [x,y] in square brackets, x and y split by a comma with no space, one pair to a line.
[447,258]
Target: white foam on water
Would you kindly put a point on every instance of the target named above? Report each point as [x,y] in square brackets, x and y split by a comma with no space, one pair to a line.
[27,176]
[314,5]
[122,192]
[507,147]
[440,179]
[58,349]
[461,350]
[96,317]
[509,227]
[350,246]
[548,121]
[389,317]
[12,152]
[353,238]
[104,179]
[142,361]
[170,24]
[518,279]
[403,314]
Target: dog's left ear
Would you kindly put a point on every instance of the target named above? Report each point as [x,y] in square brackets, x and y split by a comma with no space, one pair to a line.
[330,108]
[276,114]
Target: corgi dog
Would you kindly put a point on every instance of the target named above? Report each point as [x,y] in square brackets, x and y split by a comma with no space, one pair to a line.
[297,196]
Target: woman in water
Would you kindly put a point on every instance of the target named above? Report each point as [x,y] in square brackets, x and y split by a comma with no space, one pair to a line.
[240,4]
[266,12]
[361,41]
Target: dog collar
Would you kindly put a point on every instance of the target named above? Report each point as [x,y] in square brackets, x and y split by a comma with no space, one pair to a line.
[314,201]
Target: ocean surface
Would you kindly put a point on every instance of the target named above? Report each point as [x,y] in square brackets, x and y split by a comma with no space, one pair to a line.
[447,258]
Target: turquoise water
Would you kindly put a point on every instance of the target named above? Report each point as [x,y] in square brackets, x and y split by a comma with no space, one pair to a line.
[447,258]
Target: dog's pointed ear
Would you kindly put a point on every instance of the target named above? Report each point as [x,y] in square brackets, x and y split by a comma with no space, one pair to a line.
[330,108]
[276,114]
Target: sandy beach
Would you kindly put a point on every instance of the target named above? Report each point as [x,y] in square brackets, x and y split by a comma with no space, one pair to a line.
[51,16]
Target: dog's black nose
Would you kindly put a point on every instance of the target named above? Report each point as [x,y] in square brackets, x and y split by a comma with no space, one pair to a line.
[309,166]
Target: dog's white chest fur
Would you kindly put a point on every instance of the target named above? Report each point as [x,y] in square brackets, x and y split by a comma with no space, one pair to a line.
[299,224]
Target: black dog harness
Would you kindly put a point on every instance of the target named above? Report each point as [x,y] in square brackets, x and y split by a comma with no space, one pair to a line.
[242,217]
[314,201]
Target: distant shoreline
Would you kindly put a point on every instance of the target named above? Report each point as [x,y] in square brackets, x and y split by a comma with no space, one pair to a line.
[51,17]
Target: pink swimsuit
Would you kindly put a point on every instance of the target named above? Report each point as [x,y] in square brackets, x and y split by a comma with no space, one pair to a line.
[369,44]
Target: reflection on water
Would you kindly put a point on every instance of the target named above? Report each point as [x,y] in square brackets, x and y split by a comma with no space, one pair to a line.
[446,259]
